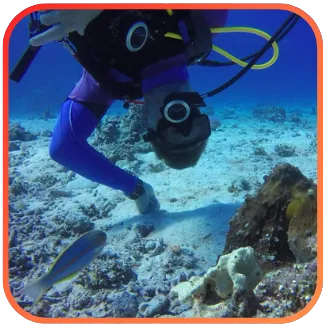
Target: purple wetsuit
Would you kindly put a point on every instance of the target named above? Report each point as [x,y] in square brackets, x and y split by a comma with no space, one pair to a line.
[69,145]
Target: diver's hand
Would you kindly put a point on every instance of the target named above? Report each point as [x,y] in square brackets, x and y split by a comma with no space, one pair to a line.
[64,22]
[147,202]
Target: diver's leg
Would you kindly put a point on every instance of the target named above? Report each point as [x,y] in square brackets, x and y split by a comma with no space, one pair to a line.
[69,147]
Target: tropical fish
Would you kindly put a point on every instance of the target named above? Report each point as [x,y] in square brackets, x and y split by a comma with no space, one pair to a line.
[68,264]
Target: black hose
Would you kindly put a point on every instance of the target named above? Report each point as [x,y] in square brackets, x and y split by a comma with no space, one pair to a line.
[280,33]
[214,63]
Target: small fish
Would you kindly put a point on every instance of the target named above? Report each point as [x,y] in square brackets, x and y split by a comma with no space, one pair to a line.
[68,264]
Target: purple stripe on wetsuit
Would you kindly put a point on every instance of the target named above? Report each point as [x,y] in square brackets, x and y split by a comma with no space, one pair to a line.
[76,123]
[172,70]
[88,89]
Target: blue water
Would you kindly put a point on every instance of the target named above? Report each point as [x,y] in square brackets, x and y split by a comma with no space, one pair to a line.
[290,81]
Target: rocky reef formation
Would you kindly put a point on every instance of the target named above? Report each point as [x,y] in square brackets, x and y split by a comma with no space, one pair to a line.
[280,221]
[274,114]
[267,269]
[19,133]
[269,266]
[120,138]
[235,275]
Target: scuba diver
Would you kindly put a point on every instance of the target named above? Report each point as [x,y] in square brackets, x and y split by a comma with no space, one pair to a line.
[128,55]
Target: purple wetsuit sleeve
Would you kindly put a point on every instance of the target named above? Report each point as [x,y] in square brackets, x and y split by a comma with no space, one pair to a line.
[70,148]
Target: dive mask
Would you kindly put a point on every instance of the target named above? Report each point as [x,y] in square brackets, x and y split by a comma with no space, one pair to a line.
[182,125]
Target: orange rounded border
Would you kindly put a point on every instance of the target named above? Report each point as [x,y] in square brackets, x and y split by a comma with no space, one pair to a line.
[5,154]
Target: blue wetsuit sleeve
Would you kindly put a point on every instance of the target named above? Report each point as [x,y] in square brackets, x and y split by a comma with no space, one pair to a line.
[69,147]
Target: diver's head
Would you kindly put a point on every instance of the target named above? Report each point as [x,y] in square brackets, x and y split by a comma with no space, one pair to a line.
[177,130]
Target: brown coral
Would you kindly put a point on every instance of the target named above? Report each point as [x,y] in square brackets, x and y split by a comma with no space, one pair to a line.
[302,213]
[280,221]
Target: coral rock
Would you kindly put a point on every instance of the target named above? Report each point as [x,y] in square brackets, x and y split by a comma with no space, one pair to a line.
[279,222]
[235,272]
[18,133]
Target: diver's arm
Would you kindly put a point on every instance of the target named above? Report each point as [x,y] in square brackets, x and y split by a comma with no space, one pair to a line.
[69,147]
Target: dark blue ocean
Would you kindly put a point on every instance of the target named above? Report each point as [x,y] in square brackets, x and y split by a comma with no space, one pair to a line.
[291,81]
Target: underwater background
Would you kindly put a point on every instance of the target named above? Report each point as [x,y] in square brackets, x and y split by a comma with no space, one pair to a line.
[236,235]
[291,79]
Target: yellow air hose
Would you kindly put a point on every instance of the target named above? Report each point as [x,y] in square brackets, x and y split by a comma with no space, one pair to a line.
[227,55]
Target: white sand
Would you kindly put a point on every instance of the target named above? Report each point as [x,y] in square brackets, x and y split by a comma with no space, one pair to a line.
[195,203]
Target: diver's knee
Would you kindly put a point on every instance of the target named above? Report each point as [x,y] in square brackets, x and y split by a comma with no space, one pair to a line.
[60,148]
[68,134]
[56,152]
[63,147]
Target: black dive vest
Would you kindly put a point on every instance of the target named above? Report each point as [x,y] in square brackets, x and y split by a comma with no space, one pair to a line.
[103,45]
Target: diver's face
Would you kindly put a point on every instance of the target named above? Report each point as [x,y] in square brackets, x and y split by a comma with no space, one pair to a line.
[154,100]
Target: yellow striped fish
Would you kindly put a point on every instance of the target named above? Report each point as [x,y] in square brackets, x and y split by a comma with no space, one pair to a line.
[67,265]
